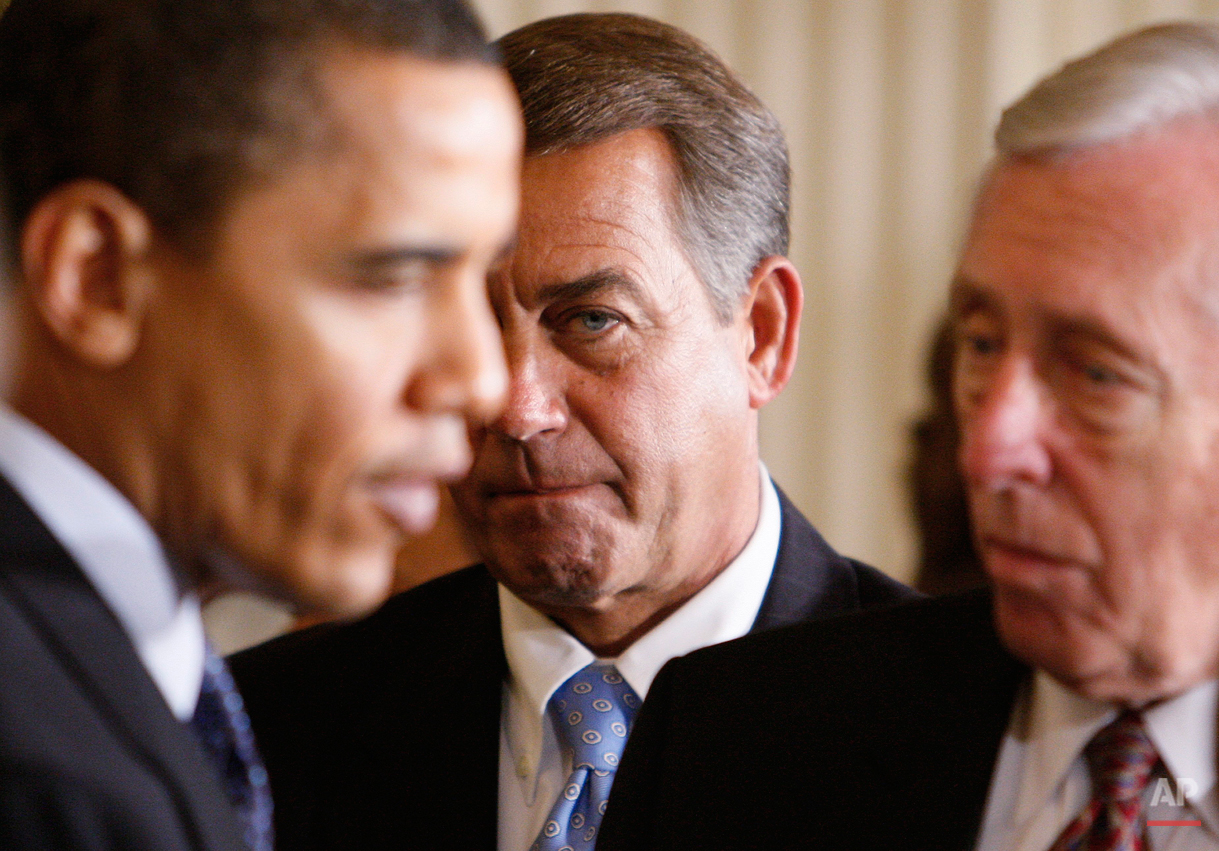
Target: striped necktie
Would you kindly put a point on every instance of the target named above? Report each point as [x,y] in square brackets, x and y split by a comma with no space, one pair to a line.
[1120,761]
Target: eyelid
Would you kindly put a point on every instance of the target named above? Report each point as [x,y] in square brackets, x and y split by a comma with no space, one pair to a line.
[563,319]
[1099,369]
[580,312]
[974,326]
[404,276]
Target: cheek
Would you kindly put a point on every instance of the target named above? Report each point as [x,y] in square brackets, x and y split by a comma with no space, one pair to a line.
[690,403]
[1161,522]
[313,406]
[652,426]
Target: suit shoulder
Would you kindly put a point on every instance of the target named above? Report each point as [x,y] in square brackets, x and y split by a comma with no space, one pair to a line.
[811,580]
[935,635]
[877,588]
[445,613]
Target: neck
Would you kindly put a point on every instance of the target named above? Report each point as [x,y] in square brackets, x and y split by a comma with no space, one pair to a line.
[610,634]
[100,428]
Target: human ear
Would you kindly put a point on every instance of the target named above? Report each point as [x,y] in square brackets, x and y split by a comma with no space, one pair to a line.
[772,311]
[83,249]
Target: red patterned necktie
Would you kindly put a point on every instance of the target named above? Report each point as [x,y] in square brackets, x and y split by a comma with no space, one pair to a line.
[1120,759]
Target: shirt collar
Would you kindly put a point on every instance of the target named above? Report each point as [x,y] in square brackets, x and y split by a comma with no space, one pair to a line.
[542,655]
[1183,730]
[1059,723]
[723,610]
[118,552]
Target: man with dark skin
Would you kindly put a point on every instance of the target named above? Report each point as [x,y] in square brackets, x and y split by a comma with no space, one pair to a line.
[250,245]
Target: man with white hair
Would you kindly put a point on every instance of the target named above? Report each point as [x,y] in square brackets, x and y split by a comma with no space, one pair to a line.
[1073,705]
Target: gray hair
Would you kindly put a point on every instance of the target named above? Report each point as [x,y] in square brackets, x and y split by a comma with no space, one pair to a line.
[1139,82]
[584,78]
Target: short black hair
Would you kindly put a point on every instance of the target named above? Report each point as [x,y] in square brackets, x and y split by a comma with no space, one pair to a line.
[181,103]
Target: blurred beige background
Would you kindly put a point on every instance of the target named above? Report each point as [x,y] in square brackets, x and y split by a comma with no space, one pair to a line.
[888,106]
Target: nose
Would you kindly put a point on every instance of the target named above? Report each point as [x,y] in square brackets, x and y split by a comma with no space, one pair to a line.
[464,372]
[1003,417]
[535,404]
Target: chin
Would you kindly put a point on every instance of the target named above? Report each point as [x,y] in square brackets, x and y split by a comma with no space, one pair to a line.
[343,585]
[561,585]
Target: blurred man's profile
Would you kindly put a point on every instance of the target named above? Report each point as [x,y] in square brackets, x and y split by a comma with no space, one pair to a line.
[250,242]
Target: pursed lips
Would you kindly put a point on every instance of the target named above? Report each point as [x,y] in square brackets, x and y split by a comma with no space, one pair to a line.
[1012,563]
[546,490]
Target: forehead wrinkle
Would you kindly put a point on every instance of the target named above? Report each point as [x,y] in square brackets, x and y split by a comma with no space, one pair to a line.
[1036,225]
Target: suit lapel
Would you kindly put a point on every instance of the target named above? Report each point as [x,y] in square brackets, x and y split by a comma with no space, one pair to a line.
[435,694]
[95,652]
[479,748]
[802,583]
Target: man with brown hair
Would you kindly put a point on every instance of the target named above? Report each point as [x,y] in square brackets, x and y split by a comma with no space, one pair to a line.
[648,312]
[251,240]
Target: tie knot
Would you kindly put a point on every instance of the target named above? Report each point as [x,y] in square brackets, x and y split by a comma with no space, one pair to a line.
[1120,758]
[592,714]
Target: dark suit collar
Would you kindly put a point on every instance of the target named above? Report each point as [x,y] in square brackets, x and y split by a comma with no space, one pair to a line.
[94,650]
[801,583]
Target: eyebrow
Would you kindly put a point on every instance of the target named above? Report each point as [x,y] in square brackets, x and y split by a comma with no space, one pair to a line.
[380,258]
[594,282]
[966,297]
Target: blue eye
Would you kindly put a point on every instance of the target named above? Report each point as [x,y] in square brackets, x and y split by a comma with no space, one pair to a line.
[595,321]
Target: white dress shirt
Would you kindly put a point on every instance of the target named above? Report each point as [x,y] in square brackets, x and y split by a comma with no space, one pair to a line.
[1041,782]
[117,551]
[542,656]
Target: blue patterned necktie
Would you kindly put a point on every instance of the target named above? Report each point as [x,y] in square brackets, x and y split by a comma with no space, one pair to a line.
[592,714]
[222,725]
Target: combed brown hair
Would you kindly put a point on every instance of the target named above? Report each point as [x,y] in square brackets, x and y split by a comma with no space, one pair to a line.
[180,103]
[584,78]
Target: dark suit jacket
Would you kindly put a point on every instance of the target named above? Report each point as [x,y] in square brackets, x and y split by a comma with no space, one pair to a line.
[873,731]
[385,733]
[90,755]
